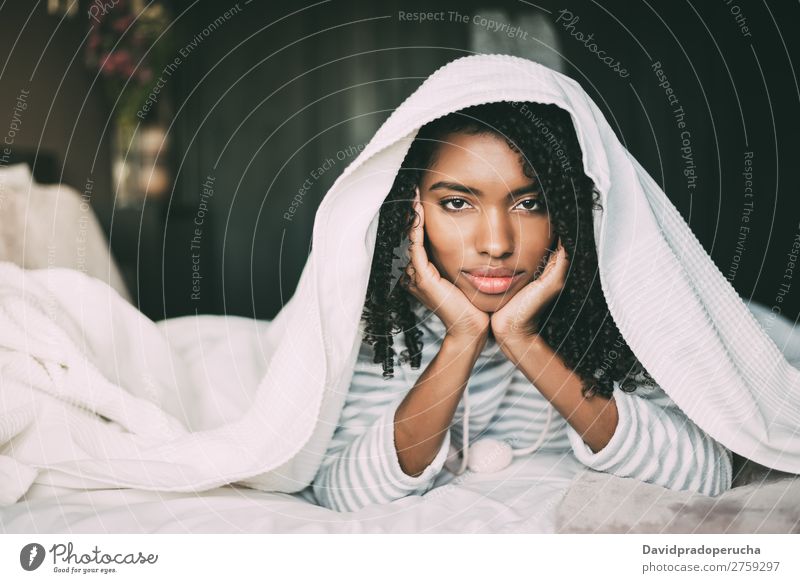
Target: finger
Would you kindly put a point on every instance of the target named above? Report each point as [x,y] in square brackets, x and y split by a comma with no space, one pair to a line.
[555,275]
[410,285]
[417,200]
[411,274]
[556,259]
[418,256]
[560,250]
[545,266]
[561,257]
[406,281]
[419,219]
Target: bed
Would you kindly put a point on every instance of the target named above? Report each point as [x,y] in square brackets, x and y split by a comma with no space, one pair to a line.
[541,493]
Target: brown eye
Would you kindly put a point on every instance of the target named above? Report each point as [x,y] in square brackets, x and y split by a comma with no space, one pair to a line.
[458,204]
[531,204]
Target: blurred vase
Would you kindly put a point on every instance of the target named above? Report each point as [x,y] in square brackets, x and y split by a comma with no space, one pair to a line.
[123,153]
[140,162]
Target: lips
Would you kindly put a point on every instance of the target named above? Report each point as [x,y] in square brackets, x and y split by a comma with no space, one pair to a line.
[493,280]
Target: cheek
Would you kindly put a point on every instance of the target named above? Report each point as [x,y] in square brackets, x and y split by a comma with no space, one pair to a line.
[534,244]
[447,241]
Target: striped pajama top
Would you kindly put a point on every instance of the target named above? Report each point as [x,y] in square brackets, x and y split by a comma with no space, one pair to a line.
[654,440]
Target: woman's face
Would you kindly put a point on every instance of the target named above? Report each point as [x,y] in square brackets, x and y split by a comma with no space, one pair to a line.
[486,227]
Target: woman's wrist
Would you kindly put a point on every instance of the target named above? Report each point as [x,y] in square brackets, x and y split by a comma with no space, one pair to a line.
[465,341]
[529,346]
[476,326]
[515,333]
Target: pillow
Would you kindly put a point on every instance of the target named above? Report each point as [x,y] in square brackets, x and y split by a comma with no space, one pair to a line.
[53,226]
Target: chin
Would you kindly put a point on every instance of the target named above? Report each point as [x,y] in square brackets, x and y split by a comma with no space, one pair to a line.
[490,303]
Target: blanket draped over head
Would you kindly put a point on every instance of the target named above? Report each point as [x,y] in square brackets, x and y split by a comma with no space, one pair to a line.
[93,394]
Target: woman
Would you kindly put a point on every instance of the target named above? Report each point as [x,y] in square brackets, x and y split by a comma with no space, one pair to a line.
[500,300]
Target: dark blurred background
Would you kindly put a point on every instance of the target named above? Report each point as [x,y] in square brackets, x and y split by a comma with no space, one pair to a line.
[266,92]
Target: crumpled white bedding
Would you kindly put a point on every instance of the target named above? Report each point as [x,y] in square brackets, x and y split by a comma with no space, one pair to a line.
[523,498]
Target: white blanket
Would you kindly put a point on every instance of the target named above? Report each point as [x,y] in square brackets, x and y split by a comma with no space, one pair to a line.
[72,352]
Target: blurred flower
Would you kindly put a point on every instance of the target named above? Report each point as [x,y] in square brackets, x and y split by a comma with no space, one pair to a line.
[121,24]
[125,48]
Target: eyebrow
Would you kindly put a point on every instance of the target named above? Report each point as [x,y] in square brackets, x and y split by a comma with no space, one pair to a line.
[468,190]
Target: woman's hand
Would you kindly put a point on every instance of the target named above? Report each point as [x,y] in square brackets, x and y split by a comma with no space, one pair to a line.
[518,319]
[421,278]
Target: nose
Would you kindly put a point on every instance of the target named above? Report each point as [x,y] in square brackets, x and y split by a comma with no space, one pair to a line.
[496,234]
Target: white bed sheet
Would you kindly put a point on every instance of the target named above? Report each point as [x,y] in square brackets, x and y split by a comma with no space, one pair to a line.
[520,499]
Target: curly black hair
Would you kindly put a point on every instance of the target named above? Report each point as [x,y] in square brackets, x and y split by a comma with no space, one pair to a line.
[577,325]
